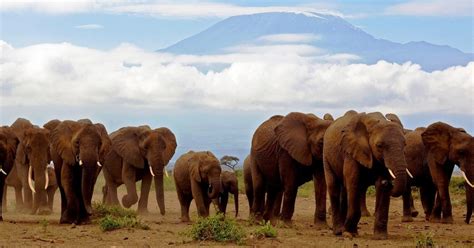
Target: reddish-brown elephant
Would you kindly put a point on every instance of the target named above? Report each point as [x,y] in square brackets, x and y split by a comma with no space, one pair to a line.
[229,185]
[78,151]
[8,147]
[138,153]
[287,152]
[447,146]
[362,149]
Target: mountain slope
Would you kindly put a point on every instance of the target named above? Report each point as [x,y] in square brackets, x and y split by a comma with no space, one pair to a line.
[335,35]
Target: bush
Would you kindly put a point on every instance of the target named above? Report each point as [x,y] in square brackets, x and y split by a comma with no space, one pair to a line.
[424,240]
[217,228]
[265,231]
[114,217]
[456,186]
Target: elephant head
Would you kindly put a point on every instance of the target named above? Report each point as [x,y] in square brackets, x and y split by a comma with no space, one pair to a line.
[82,144]
[447,144]
[301,135]
[205,168]
[146,148]
[34,152]
[371,139]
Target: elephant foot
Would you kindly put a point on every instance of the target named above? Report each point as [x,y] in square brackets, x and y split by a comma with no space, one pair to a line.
[127,202]
[349,235]
[1,218]
[406,218]
[185,219]
[83,220]
[365,213]
[45,211]
[337,230]
[321,225]
[414,213]
[66,220]
[380,236]
[143,211]
[435,219]
[447,220]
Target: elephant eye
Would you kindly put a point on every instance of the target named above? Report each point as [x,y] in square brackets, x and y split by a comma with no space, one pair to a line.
[462,152]
[379,145]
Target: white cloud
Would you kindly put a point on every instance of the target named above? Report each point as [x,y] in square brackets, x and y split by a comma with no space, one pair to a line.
[69,75]
[433,8]
[167,9]
[290,38]
[89,26]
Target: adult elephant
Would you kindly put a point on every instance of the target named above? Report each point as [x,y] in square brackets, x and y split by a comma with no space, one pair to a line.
[447,146]
[287,152]
[197,175]
[229,185]
[8,147]
[78,150]
[32,160]
[362,149]
[138,153]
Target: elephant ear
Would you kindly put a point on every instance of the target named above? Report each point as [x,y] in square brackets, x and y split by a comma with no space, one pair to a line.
[170,144]
[52,124]
[355,141]
[194,164]
[106,144]
[394,118]
[292,135]
[61,141]
[328,117]
[126,143]
[436,139]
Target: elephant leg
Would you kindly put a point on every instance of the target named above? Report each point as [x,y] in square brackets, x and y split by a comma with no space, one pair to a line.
[199,198]
[129,177]
[363,202]
[272,193]
[27,193]
[427,195]
[104,194]
[413,210]
[112,196]
[278,202]
[71,211]
[334,191]
[469,202]
[144,192]
[406,206]
[18,198]
[436,212]
[4,199]
[223,202]
[320,191]
[382,203]
[352,184]
[185,202]
[51,191]
[258,204]
[249,193]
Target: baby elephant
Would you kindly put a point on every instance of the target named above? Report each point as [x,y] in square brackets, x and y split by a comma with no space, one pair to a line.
[197,176]
[229,184]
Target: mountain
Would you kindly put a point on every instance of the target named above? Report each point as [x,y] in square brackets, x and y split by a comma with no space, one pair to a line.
[334,35]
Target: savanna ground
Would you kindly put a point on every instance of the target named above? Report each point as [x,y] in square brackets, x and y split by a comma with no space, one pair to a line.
[22,230]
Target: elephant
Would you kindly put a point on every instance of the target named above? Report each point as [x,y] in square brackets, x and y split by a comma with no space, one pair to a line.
[138,153]
[8,147]
[286,152]
[362,149]
[447,146]
[229,184]
[197,175]
[78,151]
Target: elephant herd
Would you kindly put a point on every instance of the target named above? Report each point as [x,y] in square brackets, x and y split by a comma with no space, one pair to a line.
[342,157]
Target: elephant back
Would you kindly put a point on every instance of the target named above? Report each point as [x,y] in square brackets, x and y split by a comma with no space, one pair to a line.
[52,124]
[264,139]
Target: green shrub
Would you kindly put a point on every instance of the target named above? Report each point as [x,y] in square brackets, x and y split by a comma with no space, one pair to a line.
[456,186]
[44,224]
[425,240]
[114,217]
[265,231]
[371,190]
[216,228]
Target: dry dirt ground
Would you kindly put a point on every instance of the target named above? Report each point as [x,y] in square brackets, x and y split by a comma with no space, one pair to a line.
[23,230]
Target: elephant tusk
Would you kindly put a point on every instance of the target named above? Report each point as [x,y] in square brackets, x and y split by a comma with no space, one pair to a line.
[47,179]
[3,172]
[391,174]
[151,171]
[30,180]
[467,180]
[50,165]
[409,173]
[80,162]
[99,164]
[166,172]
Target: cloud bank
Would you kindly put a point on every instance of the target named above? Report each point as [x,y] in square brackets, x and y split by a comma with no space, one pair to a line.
[69,75]
[89,26]
[433,8]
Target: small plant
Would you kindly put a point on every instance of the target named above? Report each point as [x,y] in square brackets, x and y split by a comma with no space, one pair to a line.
[114,217]
[425,240]
[44,224]
[265,231]
[216,228]
[457,185]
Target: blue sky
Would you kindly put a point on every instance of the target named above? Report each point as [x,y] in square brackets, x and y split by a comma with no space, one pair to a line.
[152,29]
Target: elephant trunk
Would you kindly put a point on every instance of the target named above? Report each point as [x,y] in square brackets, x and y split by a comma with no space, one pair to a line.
[89,174]
[469,202]
[236,203]
[160,191]
[396,165]
[215,188]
